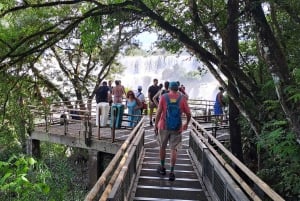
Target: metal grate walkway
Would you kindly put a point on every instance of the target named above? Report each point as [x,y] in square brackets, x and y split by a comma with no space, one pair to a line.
[152,186]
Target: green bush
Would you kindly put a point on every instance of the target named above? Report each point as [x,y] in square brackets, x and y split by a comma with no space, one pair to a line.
[281,163]
[22,178]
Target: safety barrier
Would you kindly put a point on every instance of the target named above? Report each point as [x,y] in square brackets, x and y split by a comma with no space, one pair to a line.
[124,184]
[221,180]
[114,183]
[49,117]
[201,107]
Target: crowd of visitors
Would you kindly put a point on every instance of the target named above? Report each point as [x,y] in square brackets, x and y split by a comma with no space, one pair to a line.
[169,100]
[107,93]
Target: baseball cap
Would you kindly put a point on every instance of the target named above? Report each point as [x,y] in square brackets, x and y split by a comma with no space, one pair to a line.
[173,86]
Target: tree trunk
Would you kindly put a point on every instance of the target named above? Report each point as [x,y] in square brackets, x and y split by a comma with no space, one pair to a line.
[232,50]
[277,65]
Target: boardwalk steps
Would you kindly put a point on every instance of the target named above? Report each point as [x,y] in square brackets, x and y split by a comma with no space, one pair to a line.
[153,186]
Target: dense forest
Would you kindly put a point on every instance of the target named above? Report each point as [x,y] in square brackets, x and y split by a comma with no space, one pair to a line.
[250,46]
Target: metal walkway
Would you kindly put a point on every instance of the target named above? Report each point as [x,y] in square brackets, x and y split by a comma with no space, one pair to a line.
[152,186]
[201,171]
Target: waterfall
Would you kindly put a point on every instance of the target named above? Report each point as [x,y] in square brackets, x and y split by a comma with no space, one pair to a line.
[140,70]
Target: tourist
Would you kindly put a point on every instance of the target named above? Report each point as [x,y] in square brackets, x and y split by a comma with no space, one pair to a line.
[118,92]
[162,128]
[134,106]
[103,96]
[152,90]
[161,92]
[182,90]
[218,106]
[140,95]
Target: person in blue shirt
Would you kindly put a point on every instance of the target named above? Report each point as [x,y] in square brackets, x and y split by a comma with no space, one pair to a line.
[219,104]
[134,106]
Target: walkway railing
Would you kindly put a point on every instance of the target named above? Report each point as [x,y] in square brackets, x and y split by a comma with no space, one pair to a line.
[116,181]
[212,164]
[83,120]
[201,107]
[60,113]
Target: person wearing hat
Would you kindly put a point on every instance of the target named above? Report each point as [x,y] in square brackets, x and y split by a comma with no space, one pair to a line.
[173,136]
[139,94]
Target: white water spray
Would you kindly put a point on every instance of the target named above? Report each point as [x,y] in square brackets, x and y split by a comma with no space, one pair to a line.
[142,70]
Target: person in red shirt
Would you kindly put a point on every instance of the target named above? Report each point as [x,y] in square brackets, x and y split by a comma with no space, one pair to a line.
[174,137]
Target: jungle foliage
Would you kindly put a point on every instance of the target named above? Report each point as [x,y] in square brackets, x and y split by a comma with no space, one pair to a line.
[88,35]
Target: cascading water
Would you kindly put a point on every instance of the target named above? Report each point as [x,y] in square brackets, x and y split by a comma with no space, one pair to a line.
[142,70]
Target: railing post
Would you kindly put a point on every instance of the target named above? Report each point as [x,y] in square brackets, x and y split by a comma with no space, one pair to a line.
[208,116]
[90,129]
[65,124]
[46,122]
[113,121]
[98,122]
[87,131]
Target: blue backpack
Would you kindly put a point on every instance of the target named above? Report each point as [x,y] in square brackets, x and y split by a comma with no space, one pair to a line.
[173,116]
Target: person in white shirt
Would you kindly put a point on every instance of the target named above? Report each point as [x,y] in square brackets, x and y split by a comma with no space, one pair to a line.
[139,94]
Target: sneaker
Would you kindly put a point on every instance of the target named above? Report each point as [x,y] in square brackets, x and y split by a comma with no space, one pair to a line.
[171,176]
[161,170]
[151,124]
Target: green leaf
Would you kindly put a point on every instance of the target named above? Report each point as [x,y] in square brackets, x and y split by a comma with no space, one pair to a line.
[32,161]
[43,187]
[23,178]
[3,179]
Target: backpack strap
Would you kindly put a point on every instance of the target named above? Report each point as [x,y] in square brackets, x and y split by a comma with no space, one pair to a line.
[168,98]
[139,94]
[178,99]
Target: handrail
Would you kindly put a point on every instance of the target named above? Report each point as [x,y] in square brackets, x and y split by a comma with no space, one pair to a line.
[119,174]
[203,107]
[263,186]
[102,181]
